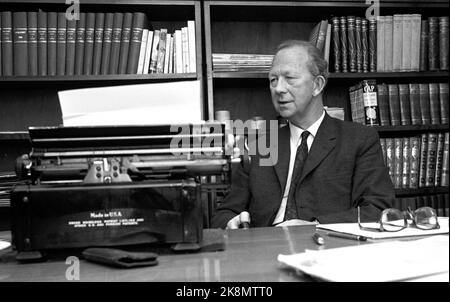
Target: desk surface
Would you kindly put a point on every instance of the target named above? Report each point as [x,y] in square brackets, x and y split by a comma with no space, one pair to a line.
[250,255]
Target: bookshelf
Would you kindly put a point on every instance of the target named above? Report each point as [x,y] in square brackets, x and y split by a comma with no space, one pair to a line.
[257,27]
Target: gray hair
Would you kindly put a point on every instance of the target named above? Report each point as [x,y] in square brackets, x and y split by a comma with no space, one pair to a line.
[317,65]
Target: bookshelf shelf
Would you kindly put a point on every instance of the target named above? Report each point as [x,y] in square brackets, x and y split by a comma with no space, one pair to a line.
[420,191]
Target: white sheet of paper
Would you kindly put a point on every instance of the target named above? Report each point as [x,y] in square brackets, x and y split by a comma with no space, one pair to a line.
[376,262]
[4,244]
[353,228]
[141,104]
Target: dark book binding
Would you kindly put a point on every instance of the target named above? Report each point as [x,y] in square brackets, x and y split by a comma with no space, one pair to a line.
[107,40]
[32,44]
[115,43]
[383,149]
[351,43]
[431,159]
[79,44]
[125,42]
[443,43]
[20,44]
[443,102]
[423,159]
[390,157]
[433,43]
[52,24]
[423,61]
[61,44]
[414,162]
[7,44]
[383,104]
[344,49]
[434,103]
[398,162]
[98,43]
[89,43]
[425,103]
[439,159]
[445,159]
[373,45]
[414,99]
[42,43]
[394,105]
[70,46]
[405,109]
[135,42]
[336,44]
[1,44]
[365,44]
[358,39]
[406,163]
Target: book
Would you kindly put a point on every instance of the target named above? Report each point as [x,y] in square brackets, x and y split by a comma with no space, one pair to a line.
[434,103]
[0,44]
[380,43]
[148,52]
[358,39]
[405,109]
[423,60]
[79,44]
[178,52]
[414,98]
[398,162]
[154,53]
[383,149]
[394,105]
[373,45]
[365,44]
[370,101]
[167,58]
[20,44]
[423,159]
[42,43]
[161,56]
[344,43]
[52,24]
[443,43]
[89,43]
[406,163]
[171,56]
[431,159]
[336,44]
[397,42]
[415,41]
[383,104]
[107,41]
[414,162]
[192,47]
[98,43]
[445,159]
[115,43]
[125,43]
[185,49]
[70,46]
[32,43]
[439,159]
[7,44]
[443,102]
[139,22]
[314,34]
[388,43]
[390,157]
[142,52]
[61,44]
[351,42]
[425,104]
[406,43]
[433,43]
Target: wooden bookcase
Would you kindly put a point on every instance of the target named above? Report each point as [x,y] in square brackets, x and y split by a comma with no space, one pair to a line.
[259,26]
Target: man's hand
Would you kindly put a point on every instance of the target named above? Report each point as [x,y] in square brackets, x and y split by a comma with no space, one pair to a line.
[297,222]
[239,221]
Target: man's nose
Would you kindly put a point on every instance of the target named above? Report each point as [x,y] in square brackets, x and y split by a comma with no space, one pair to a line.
[281,85]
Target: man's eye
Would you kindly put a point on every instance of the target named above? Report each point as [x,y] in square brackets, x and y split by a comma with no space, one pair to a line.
[273,81]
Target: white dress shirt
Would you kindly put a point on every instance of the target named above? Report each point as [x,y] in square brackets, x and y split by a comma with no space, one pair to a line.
[296,140]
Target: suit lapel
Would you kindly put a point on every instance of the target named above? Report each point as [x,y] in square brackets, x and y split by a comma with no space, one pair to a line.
[284,152]
[323,143]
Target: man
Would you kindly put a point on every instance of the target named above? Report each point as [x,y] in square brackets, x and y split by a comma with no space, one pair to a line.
[326,167]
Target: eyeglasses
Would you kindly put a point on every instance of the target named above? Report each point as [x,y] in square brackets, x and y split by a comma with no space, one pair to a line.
[394,220]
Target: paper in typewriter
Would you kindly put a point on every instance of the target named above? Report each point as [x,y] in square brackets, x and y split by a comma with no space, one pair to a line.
[376,262]
[141,104]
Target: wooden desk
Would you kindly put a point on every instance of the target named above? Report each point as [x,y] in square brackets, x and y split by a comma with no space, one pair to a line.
[250,255]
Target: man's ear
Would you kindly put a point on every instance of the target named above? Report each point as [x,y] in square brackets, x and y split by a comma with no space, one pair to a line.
[319,85]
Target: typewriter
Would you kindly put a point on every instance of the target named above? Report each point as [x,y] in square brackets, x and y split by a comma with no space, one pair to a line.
[115,186]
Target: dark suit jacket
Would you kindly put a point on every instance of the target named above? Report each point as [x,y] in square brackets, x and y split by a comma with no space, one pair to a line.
[344,169]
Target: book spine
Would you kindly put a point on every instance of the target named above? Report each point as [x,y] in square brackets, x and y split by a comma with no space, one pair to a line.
[115,43]
[383,149]
[443,43]
[178,52]
[107,41]
[388,33]
[414,162]
[192,41]
[431,159]
[373,45]
[1,44]
[352,94]
[439,159]
[20,39]
[185,49]
[397,42]
[135,42]
[434,103]
[344,49]
[415,42]
[423,66]
[7,44]
[394,105]
[445,159]
[167,59]
[425,103]
[405,109]
[89,43]
[383,104]
[433,43]
[98,43]
[32,44]
[125,42]
[423,159]
[390,157]
[406,43]
[142,52]
[61,44]
[398,162]
[365,44]
[371,111]
[414,99]
[161,50]
[42,43]
[406,164]
[171,57]
[154,54]
[80,44]
[380,43]
[52,24]
[351,42]
[443,102]
[358,36]
[336,44]
[148,52]
[70,46]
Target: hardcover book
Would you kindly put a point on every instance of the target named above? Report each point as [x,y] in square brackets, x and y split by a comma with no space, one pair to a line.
[439,159]
[423,64]
[7,44]
[414,98]
[405,109]
[406,43]
[415,41]
[383,104]
[336,44]
[42,43]
[425,103]
[397,42]
[443,102]
[434,103]
[365,44]
[398,162]
[394,104]
[52,24]
[79,44]
[32,44]
[445,159]
[414,162]
[125,42]
[70,46]
[89,43]
[358,36]
[431,159]
[433,43]
[388,43]
[373,45]
[115,43]
[443,43]
[351,43]
[107,41]
[98,43]
[20,38]
[406,161]
[139,21]
[344,43]
[423,159]
[380,44]
[61,44]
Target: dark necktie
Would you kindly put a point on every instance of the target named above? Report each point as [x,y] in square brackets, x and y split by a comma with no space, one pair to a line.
[300,158]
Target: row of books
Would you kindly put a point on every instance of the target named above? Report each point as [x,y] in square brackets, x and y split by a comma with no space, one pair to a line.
[47,44]
[398,43]
[225,62]
[399,104]
[417,161]
[439,202]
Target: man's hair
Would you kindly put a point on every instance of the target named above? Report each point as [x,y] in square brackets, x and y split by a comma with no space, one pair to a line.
[317,65]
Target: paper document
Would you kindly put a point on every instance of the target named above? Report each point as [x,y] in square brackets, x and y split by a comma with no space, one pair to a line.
[4,244]
[353,228]
[376,262]
[142,104]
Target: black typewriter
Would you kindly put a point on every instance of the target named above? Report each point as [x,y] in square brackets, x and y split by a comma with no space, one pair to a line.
[115,185]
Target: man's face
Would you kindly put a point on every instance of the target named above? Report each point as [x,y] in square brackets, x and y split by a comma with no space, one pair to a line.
[291,83]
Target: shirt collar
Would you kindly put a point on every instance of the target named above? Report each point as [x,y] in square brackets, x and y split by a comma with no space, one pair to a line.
[296,132]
